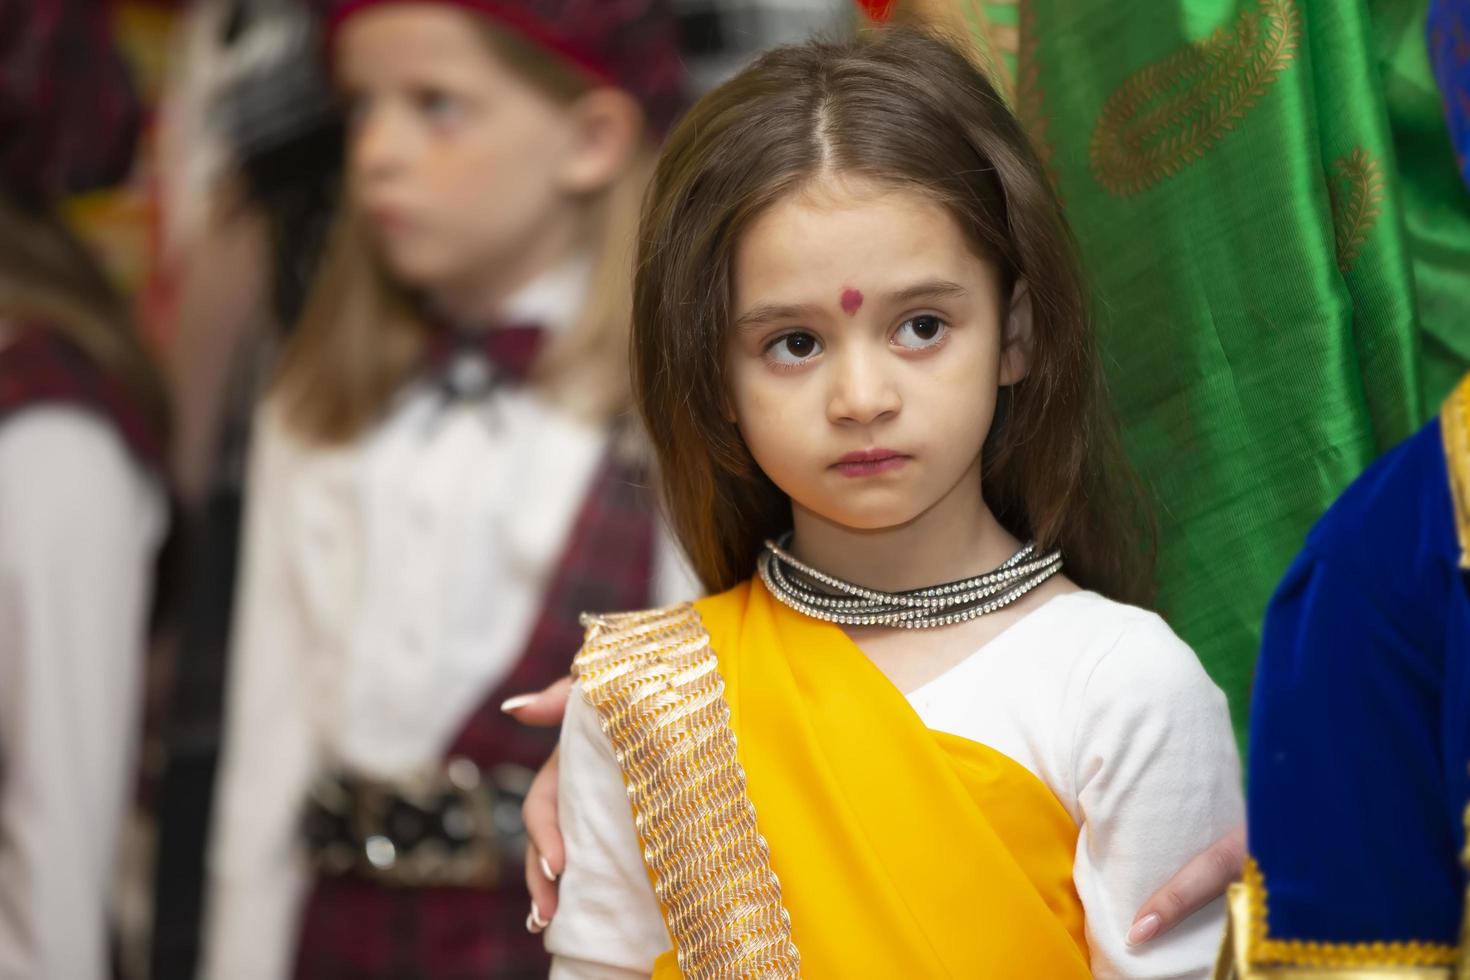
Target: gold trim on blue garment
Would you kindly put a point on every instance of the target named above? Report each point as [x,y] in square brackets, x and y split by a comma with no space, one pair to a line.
[1250,952]
[1454,424]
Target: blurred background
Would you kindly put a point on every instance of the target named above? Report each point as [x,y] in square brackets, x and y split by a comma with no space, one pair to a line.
[1270,197]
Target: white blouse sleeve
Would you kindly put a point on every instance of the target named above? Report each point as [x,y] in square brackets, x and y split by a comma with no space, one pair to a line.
[674,580]
[1157,781]
[257,871]
[608,924]
[80,524]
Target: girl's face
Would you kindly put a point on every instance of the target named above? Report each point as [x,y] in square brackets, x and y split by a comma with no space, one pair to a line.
[457,163]
[866,348]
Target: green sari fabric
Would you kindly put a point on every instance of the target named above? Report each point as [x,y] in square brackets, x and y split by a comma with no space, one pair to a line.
[1269,208]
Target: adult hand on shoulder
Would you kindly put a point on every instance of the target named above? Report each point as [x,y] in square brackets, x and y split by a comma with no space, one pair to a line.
[1198,883]
[545,859]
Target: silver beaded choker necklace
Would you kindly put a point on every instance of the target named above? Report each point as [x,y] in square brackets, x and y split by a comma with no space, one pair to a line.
[821,596]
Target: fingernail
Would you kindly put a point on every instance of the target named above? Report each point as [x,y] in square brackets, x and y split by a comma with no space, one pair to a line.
[534,922]
[519,701]
[1144,929]
[546,869]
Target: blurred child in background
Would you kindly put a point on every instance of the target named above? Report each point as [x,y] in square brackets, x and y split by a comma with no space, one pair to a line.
[83,504]
[443,477]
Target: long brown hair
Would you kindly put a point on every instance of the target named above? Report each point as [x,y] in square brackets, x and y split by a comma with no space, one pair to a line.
[48,277]
[361,336]
[901,106]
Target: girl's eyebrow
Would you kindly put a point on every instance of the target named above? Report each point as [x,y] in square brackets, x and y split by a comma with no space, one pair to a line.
[928,289]
[768,313]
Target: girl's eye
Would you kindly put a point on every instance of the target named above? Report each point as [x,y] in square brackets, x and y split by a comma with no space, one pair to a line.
[437,105]
[919,332]
[793,348]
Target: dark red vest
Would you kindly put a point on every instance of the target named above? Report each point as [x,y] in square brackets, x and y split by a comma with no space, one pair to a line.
[360,929]
[41,366]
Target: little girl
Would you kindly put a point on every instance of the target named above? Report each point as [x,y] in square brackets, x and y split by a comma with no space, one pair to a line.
[441,480]
[919,731]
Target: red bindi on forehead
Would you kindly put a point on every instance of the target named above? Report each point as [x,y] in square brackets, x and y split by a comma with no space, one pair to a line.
[852,301]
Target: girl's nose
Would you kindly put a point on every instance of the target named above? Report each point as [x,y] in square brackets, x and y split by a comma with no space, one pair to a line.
[863,390]
[378,144]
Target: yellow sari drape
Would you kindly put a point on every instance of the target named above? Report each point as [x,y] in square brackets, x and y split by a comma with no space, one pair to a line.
[899,851]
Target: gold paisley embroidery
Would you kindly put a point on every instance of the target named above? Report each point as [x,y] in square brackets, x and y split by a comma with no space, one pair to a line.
[1263,950]
[1356,190]
[1167,115]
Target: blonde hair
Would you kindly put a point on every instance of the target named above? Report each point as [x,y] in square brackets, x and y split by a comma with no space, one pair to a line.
[361,337]
[49,278]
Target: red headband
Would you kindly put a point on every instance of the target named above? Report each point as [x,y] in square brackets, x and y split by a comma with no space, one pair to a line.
[632,46]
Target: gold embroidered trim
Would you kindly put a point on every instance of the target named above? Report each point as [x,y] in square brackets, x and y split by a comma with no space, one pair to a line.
[1168,114]
[655,683]
[1262,950]
[1356,192]
[1462,968]
[1454,427]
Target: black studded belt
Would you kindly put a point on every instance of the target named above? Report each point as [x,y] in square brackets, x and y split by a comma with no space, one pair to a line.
[454,824]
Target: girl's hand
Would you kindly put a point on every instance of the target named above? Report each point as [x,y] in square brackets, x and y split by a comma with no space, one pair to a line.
[545,859]
[1197,884]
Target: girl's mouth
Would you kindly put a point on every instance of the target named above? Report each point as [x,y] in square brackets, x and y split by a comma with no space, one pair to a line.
[870,462]
[388,221]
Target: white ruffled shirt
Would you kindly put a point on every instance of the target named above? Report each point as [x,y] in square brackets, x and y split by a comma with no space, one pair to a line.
[1100,700]
[388,587]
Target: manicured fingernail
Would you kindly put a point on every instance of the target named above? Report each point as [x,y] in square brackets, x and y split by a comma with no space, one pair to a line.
[546,869]
[534,922]
[519,701]
[1144,929]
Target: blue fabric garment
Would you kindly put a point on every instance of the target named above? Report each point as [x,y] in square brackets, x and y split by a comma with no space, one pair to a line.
[1360,726]
[1449,54]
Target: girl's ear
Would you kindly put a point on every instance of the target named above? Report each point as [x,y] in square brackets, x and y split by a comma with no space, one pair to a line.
[607,125]
[1016,342]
